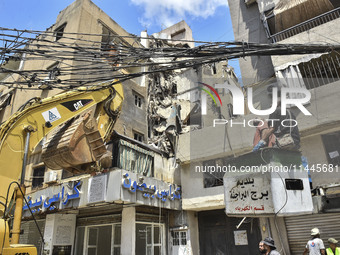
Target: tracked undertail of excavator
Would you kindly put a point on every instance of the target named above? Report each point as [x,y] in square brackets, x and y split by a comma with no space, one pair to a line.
[75,144]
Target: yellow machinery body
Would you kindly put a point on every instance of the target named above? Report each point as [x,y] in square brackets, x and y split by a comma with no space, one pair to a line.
[75,124]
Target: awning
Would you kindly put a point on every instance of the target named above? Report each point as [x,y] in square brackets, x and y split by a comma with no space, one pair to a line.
[289,13]
[284,5]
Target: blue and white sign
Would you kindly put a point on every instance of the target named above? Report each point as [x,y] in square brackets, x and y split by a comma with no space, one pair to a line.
[51,115]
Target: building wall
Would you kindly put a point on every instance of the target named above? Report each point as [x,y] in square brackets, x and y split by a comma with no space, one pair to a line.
[179,31]
[248,27]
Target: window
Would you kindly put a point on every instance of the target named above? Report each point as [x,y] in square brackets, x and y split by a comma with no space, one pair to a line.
[96,240]
[138,136]
[179,238]
[59,32]
[53,71]
[133,158]
[138,101]
[214,172]
[149,239]
[38,176]
[5,100]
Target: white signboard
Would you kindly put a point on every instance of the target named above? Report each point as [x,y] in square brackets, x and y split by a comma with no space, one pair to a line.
[240,237]
[97,188]
[51,115]
[248,195]
[333,154]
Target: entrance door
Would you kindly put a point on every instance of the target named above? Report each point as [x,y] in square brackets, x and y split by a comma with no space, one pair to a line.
[219,236]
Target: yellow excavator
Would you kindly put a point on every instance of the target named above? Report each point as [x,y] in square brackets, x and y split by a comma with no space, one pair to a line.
[73,128]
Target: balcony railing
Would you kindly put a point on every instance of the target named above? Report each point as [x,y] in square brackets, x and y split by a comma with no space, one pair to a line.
[306,25]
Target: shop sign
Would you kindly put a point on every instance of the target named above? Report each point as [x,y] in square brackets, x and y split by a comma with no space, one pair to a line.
[151,191]
[44,203]
[248,195]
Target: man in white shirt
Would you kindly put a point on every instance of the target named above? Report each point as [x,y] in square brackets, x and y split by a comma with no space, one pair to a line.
[315,246]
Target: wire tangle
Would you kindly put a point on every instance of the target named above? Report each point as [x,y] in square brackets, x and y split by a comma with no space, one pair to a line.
[74,61]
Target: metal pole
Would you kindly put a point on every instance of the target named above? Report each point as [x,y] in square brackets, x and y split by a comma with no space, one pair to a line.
[19,200]
[23,170]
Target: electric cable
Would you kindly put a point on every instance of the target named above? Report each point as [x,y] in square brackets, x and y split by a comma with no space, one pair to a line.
[26,202]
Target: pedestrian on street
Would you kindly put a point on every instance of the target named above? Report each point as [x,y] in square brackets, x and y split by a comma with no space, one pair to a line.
[269,246]
[333,250]
[315,246]
[261,248]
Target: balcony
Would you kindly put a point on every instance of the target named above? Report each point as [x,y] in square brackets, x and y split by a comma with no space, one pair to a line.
[306,25]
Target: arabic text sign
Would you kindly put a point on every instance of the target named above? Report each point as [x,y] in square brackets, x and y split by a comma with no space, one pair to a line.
[248,195]
[56,201]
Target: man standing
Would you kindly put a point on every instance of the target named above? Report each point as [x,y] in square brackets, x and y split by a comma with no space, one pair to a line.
[333,250]
[269,246]
[261,248]
[315,246]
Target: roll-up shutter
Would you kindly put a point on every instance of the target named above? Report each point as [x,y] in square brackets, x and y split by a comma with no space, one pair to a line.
[30,233]
[99,220]
[299,229]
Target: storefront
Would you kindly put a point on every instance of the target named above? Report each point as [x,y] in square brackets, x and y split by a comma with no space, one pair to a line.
[112,213]
[219,235]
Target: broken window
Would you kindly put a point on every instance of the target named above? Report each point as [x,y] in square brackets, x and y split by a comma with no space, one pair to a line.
[213,174]
[38,176]
[133,158]
[59,32]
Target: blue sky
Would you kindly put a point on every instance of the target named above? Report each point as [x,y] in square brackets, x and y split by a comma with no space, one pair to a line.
[209,20]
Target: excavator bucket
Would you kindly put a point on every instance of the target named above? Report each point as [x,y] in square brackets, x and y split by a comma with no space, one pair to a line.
[75,143]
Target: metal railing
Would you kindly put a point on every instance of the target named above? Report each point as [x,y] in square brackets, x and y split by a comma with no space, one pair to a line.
[321,71]
[306,25]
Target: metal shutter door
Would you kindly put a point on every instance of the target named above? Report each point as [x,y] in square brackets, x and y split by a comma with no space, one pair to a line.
[299,227]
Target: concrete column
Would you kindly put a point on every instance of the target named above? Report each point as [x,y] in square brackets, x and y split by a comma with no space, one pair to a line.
[279,234]
[193,232]
[128,241]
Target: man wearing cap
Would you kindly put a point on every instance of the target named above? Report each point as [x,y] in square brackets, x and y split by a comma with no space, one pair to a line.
[269,246]
[333,250]
[315,246]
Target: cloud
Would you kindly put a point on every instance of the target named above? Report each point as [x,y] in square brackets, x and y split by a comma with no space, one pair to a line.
[168,12]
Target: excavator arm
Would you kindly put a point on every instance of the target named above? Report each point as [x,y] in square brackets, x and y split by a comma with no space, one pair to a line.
[78,114]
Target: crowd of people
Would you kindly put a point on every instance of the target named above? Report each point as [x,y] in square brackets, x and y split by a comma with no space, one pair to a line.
[314,246]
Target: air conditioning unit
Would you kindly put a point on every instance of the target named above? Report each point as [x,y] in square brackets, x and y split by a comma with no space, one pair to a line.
[51,177]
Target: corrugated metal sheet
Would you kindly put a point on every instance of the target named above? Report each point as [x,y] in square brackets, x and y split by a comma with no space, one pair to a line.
[299,227]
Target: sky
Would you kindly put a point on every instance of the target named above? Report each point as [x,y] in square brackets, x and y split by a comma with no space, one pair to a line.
[209,19]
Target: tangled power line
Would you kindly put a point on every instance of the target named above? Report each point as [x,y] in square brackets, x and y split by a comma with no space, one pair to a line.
[80,59]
